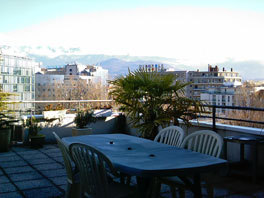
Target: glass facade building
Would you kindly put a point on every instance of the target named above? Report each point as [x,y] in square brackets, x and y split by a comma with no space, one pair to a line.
[17,76]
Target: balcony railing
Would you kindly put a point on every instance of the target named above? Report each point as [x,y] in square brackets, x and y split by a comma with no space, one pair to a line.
[212,110]
[214,117]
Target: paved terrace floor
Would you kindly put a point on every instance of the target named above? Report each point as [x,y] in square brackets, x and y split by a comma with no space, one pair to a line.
[26,172]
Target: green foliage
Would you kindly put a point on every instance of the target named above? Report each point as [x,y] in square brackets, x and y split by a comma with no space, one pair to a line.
[5,120]
[33,126]
[153,99]
[84,118]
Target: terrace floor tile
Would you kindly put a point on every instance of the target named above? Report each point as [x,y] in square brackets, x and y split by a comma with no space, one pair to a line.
[54,173]
[48,166]
[3,179]
[7,187]
[11,195]
[59,180]
[22,169]
[43,193]
[50,151]
[34,152]
[38,183]
[40,161]
[9,158]
[19,149]
[55,154]
[13,164]
[7,154]
[35,156]
[25,176]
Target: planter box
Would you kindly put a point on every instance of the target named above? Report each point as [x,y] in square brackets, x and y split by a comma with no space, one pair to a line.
[37,141]
[5,136]
[84,131]
[60,114]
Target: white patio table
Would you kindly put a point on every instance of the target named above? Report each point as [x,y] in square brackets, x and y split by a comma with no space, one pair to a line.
[147,159]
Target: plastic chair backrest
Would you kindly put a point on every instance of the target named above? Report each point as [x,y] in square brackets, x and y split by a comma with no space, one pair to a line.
[171,135]
[93,166]
[205,141]
[68,162]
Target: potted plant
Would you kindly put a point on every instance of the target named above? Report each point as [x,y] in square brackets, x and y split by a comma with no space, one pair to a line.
[36,140]
[5,122]
[152,100]
[5,131]
[81,120]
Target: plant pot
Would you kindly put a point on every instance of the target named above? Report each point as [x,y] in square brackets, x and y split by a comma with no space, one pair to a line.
[37,141]
[83,131]
[5,136]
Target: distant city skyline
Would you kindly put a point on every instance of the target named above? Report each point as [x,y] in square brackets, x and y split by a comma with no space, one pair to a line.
[193,32]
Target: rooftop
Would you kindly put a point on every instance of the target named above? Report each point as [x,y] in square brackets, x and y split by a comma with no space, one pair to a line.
[26,172]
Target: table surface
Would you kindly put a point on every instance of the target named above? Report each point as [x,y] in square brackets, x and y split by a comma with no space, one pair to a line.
[141,157]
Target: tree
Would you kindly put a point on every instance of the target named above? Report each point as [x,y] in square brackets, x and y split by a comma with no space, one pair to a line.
[152,99]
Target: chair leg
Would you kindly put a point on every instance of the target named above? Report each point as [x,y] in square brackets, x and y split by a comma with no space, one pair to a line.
[73,190]
[128,180]
[156,188]
[181,192]
[173,191]
[210,189]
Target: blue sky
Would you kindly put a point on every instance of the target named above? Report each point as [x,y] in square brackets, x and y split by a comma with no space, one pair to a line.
[195,32]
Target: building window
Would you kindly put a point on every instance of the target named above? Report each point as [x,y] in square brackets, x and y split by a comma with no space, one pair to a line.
[70,70]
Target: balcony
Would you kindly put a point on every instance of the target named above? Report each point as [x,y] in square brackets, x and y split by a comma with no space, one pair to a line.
[26,172]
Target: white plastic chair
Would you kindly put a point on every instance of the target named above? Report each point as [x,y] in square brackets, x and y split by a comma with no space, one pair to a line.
[204,141]
[73,180]
[95,168]
[171,135]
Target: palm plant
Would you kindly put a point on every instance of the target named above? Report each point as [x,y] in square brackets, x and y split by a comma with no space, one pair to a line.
[153,99]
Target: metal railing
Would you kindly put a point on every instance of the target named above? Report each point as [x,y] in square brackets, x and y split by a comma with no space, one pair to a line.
[214,117]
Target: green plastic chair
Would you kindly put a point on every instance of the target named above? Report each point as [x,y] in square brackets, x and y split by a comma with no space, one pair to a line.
[171,135]
[204,141]
[73,179]
[95,168]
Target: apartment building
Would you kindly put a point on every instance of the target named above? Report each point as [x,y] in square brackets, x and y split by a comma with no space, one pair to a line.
[17,76]
[213,83]
[69,82]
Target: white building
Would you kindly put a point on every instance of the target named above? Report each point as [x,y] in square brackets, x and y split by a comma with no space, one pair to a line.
[17,76]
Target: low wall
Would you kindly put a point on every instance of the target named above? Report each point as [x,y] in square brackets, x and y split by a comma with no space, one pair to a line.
[64,127]
[233,153]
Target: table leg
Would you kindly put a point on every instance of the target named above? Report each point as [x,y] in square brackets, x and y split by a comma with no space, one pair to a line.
[144,186]
[225,149]
[254,162]
[197,186]
[242,152]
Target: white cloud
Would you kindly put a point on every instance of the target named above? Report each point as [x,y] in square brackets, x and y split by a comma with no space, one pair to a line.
[193,35]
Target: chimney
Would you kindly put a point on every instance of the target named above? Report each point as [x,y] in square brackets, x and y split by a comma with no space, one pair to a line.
[209,67]
[223,69]
[198,70]
[231,69]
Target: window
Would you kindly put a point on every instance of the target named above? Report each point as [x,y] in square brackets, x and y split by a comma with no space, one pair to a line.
[70,70]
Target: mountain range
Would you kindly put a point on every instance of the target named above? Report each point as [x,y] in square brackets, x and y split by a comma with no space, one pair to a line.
[119,64]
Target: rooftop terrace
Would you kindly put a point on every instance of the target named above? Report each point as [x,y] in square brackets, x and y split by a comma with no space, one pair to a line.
[26,172]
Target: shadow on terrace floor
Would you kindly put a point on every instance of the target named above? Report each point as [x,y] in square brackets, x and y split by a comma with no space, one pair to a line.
[26,172]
